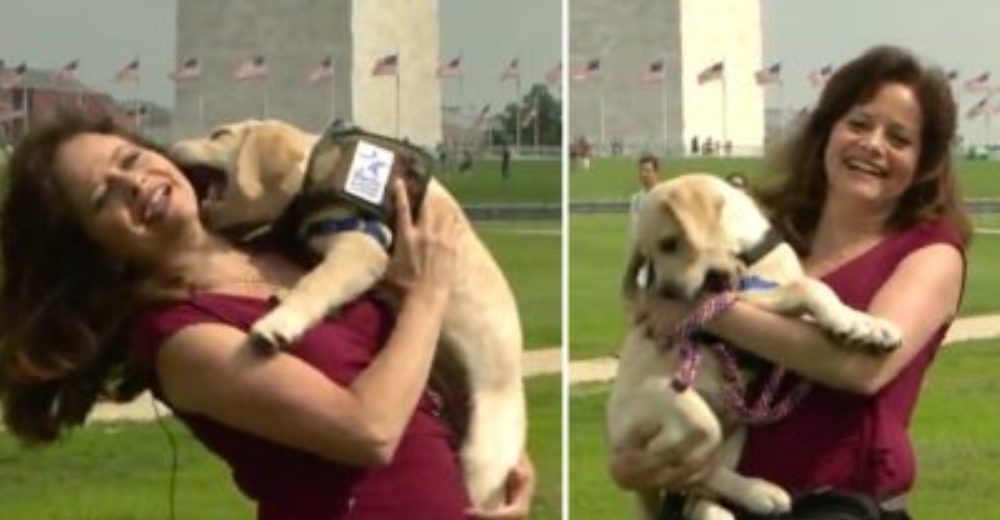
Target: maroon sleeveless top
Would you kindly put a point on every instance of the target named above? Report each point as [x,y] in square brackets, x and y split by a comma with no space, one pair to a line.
[848,441]
[423,481]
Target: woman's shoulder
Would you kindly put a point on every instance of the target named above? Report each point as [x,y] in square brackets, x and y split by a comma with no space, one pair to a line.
[926,234]
[153,324]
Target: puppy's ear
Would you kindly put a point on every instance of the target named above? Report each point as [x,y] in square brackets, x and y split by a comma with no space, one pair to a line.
[630,284]
[280,151]
[248,165]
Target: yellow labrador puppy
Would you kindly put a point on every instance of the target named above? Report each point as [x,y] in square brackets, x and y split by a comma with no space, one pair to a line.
[251,171]
[693,237]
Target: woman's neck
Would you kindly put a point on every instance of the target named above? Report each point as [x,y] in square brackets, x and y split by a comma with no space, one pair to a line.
[214,264]
[843,232]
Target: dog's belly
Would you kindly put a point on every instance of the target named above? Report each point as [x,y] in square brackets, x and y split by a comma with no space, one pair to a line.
[642,395]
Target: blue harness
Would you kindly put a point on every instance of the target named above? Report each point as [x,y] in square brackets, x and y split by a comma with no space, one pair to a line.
[330,226]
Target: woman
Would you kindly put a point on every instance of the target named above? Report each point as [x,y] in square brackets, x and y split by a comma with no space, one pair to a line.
[105,258]
[889,237]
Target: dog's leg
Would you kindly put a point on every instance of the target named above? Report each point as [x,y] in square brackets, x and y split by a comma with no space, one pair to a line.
[754,494]
[816,299]
[493,445]
[353,263]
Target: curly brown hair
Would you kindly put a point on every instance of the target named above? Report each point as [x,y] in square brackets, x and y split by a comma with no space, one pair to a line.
[795,200]
[64,306]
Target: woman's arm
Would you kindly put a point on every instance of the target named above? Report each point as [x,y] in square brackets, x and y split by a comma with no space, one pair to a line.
[212,369]
[921,295]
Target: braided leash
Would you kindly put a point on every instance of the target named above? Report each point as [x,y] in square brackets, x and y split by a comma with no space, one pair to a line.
[688,337]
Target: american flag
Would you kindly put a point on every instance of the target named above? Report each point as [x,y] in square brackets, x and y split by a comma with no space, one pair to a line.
[67,73]
[254,67]
[387,65]
[481,118]
[13,78]
[189,69]
[7,112]
[452,69]
[322,71]
[591,69]
[554,75]
[711,73]
[512,71]
[769,75]
[977,109]
[129,73]
[528,116]
[818,78]
[978,84]
[653,73]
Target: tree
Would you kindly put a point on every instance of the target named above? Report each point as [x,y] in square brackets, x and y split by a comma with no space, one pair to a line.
[549,119]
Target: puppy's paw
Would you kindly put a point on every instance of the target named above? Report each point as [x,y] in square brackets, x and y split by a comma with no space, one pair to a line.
[765,498]
[706,510]
[868,332]
[279,329]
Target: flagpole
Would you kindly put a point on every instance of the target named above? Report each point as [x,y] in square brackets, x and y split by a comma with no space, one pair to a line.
[201,109]
[138,112]
[538,115]
[602,108]
[517,102]
[25,106]
[663,110]
[399,68]
[725,106]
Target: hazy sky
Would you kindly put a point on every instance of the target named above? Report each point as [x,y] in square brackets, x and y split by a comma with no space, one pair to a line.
[107,34]
[802,34]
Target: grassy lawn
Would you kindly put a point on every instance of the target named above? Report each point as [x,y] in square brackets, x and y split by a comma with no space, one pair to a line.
[121,472]
[530,255]
[616,179]
[530,181]
[955,430]
[598,253]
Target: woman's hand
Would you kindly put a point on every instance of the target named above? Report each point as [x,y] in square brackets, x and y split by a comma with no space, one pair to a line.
[425,253]
[683,465]
[520,490]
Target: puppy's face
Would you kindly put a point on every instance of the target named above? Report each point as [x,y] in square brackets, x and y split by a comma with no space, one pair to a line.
[687,239]
[245,172]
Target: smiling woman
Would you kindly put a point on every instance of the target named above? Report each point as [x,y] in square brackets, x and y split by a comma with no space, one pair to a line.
[105,259]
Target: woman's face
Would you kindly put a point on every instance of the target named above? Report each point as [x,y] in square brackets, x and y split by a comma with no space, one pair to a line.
[873,149]
[132,201]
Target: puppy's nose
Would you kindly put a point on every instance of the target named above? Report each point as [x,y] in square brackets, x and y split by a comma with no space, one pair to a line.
[717,280]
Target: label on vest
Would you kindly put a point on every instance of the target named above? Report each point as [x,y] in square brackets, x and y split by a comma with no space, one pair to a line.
[369,172]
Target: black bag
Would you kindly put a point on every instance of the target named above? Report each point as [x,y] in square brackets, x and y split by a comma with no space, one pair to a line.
[826,504]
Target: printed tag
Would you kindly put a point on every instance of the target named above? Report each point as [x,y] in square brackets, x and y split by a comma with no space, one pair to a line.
[369,173]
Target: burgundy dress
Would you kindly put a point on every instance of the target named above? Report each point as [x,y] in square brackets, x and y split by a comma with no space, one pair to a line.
[848,441]
[423,481]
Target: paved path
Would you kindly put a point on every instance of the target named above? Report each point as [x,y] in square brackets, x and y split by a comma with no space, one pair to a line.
[549,361]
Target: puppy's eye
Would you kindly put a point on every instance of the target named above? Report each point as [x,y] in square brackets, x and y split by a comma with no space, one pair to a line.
[669,244]
[222,132]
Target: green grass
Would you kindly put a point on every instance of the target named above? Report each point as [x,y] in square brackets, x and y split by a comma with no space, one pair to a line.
[121,471]
[598,253]
[955,430]
[530,255]
[530,181]
[617,178]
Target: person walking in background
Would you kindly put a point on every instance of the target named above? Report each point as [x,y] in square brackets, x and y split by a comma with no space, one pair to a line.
[505,161]
[649,176]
